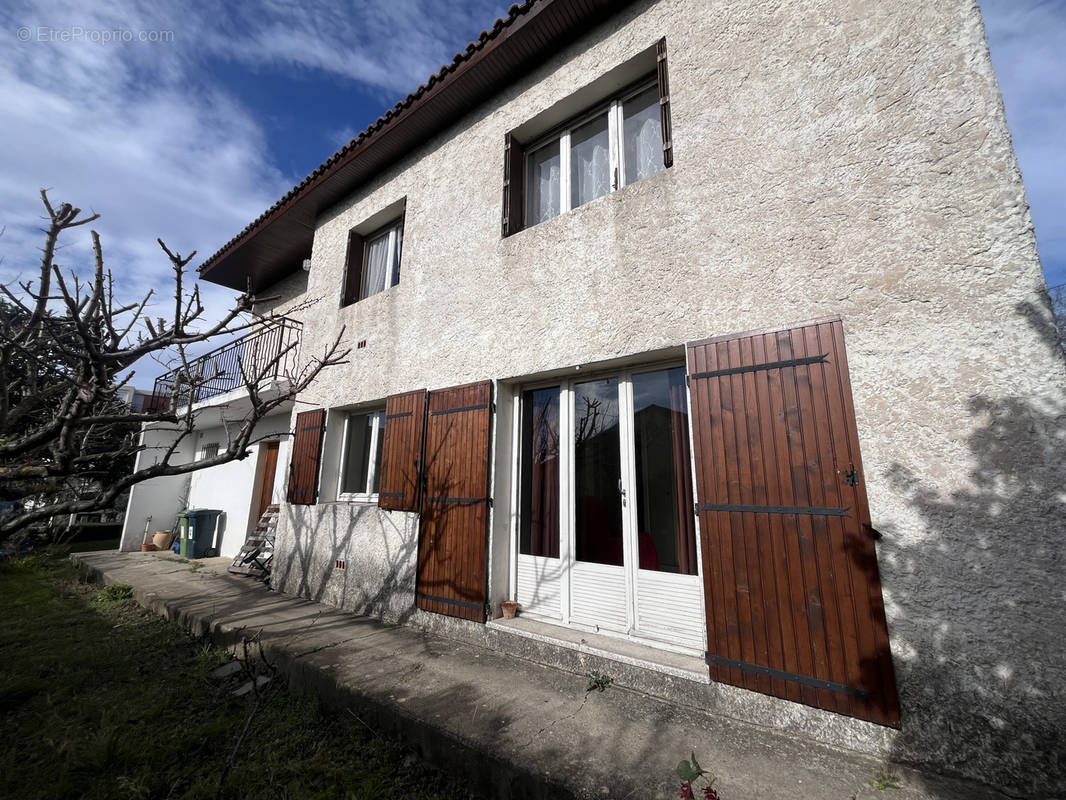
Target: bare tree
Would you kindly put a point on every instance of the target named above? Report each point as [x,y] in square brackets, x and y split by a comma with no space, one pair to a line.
[63,343]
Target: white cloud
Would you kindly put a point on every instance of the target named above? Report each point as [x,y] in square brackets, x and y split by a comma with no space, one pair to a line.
[140,133]
[1027,40]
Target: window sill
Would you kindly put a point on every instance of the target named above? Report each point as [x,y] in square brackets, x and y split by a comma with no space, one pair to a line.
[359,499]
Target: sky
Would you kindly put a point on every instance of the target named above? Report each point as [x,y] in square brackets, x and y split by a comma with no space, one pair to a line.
[186,120]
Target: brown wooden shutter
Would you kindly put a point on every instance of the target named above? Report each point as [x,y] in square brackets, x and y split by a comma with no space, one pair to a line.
[401,451]
[306,456]
[791,585]
[514,171]
[353,269]
[664,102]
[454,528]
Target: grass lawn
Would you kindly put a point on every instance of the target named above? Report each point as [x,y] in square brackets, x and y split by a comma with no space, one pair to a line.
[102,699]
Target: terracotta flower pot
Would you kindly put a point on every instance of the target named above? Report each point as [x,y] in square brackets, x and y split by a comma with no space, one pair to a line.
[147,547]
[509,608]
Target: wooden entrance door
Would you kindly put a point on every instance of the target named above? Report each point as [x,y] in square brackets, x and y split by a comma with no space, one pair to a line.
[266,487]
[454,526]
[791,584]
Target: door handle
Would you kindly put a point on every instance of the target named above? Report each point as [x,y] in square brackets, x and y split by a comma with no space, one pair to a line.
[622,492]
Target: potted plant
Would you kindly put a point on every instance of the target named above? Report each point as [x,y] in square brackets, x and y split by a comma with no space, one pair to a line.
[509,608]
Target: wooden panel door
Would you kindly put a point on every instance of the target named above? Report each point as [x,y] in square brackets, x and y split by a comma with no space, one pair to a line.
[791,585]
[266,486]
[454,527]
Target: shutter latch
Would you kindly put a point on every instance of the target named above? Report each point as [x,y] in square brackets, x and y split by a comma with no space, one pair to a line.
[851,476]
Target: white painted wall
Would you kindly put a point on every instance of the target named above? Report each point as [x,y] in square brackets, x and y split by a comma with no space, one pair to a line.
[160,498]
[232,488]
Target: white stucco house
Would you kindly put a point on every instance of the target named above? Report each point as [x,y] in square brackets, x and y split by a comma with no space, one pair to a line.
[713,334]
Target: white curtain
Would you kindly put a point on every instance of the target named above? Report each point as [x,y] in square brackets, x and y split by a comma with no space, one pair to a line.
[377,266]
[590,162]
[643,135]
[543,180]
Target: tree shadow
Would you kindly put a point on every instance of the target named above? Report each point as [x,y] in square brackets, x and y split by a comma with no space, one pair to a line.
[377,550]
[979,628]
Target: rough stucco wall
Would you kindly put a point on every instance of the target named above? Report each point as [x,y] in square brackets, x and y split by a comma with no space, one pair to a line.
[378,548]
[830,158]
[286,297]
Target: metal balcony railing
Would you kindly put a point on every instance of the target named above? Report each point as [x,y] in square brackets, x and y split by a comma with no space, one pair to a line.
[265,354]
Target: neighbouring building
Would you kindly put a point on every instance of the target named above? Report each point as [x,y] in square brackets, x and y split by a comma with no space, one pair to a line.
[714,334]
[243,488]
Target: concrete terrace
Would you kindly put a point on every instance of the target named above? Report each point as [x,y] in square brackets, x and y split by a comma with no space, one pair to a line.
[513,728]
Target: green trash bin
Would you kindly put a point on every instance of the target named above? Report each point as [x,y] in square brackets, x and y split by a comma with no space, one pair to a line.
[183,535]
[198,530]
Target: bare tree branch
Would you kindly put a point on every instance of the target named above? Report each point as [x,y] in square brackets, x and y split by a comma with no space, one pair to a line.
[63,343]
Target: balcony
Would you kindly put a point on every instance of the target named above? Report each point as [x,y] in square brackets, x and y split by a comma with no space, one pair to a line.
[267,354]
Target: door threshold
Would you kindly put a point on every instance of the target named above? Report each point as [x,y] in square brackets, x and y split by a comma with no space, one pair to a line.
[690,668]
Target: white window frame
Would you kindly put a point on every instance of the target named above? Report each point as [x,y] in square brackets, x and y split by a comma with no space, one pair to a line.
[366,496]
[392,270]
[560,138]
[565,565]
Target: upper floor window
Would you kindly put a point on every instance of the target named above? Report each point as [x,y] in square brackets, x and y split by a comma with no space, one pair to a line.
[373,263]
[610,144]
[613,147]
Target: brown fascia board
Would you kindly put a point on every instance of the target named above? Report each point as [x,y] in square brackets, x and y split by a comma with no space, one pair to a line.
[275,244]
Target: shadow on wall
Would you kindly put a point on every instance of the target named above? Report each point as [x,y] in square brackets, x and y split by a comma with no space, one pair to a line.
[378,548]
[983,691]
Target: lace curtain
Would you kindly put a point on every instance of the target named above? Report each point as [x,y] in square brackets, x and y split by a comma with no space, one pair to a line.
[590,162]
[643,135]
[543,180]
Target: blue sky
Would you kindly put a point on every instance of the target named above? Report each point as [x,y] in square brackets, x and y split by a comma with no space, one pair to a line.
[191,136]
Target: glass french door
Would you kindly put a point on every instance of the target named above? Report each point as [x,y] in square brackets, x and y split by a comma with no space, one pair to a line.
[606,528]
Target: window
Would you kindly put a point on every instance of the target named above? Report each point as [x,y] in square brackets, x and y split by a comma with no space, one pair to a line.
[614,146]
[208,450]
[626,442]
[597,140]
[373,262]
[360,469]
[606,535]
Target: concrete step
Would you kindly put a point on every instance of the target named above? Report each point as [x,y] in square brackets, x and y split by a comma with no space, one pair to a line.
[512,727]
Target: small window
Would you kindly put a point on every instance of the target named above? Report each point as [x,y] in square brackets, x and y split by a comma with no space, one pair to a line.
[208,451]
[373,263]
[595,141]
[360,470]
[614,146]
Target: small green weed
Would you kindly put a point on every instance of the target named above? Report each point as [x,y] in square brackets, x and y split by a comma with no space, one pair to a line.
[884,779]
[598,681]
[116,592]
